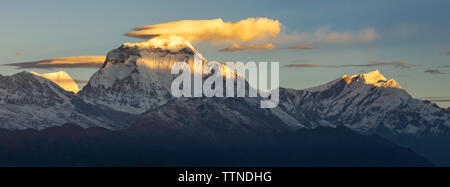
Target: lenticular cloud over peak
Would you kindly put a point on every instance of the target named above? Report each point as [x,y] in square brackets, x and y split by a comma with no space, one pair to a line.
[250,29]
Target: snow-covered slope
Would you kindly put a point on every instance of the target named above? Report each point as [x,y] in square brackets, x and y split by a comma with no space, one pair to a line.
[62,79]
[374,78]
[136,76]
[31,101]
[25,88]
[367,103]
[134,84]
[215,117]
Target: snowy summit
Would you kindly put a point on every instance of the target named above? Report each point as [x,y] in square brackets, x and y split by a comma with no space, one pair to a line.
[62,79]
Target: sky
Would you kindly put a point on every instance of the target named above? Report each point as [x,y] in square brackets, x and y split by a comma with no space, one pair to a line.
[407,40]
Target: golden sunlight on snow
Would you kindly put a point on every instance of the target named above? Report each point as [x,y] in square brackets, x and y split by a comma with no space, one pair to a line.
[62,79]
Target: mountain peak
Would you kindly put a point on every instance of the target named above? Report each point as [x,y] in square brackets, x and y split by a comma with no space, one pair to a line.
[62,79]
[137,76]
[170,43]
[374,78]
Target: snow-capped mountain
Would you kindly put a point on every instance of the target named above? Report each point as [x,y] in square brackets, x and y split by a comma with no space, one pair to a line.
[134,85]
[62,79]
[132,91]
[25,88]
[366,103]
[31,101]
[137,76]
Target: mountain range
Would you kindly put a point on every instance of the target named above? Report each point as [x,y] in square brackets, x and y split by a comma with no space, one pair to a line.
[129,96]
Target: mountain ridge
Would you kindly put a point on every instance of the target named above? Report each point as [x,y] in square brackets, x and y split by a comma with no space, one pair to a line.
[60,78]
[131,92]
[136,78]
[364,106]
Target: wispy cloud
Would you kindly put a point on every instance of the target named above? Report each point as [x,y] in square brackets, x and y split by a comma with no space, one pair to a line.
[436,99]
[79,81]
[399,64]
[434,71]
[250,29]
[305,47]
[373,63]
[63,62]
[238,47]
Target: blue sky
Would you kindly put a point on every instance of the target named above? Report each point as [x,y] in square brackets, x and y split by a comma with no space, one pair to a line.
[414,32]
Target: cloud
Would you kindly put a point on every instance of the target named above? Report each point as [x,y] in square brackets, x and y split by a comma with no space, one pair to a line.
[250,29]
[305,47]
[79,81]
[368,35]
[440,100]
[434,71]
[324,35]
[448,53]
[372,63]
[238,47]
[399,64]
[437,99]
[63,62]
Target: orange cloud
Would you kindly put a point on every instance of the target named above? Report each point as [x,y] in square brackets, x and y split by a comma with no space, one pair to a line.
[238,47]
[250,29]
[64,62]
